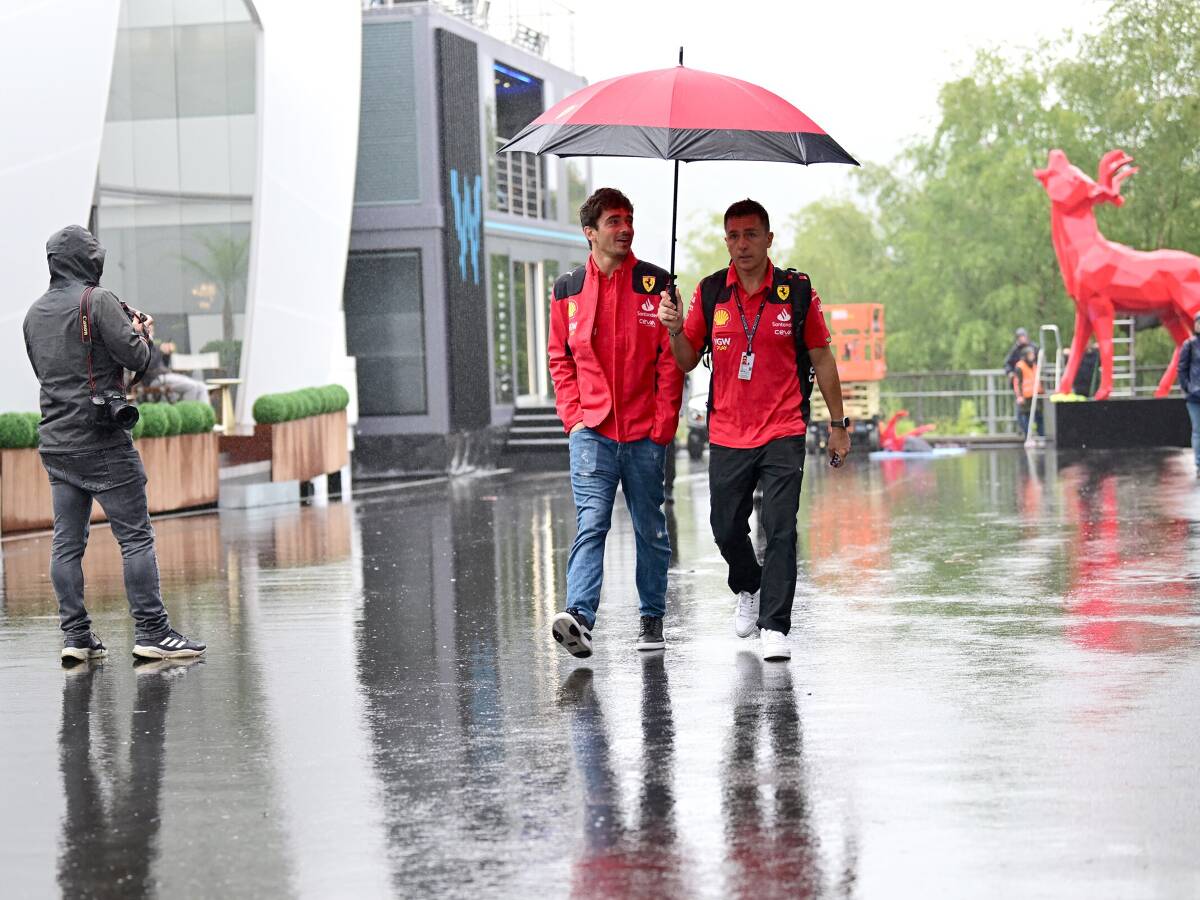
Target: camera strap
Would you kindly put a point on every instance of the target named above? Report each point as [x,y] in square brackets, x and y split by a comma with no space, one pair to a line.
[85,335]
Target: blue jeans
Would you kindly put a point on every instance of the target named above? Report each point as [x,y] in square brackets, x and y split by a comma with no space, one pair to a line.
[116,479]
[1193,407]
[598,465]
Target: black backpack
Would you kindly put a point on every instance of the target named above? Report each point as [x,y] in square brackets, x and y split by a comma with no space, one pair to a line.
[787,286]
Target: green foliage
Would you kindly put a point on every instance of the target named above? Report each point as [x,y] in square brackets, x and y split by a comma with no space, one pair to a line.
[954,235]
[35,419]
[154,421]
[272,408]
[197,417]
[174,419]
[18,430]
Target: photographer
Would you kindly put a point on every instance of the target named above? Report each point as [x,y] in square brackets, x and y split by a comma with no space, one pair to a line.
[80,338]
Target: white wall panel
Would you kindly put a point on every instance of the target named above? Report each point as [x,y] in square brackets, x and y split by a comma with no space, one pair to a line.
[309,82]
[61,55]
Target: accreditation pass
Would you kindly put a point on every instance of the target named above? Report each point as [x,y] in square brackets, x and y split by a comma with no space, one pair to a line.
[746,369]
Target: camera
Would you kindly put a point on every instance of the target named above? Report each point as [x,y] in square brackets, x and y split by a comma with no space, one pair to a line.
[110,408]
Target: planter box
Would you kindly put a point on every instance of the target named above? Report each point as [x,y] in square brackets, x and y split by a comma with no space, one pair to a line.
[181,473]
[300,450]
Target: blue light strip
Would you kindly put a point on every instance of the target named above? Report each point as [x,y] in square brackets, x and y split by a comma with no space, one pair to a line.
[512,73]
[569,237]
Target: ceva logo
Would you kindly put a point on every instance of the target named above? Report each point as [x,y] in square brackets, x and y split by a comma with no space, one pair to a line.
[468,213]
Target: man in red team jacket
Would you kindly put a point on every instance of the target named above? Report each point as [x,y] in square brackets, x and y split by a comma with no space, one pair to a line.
[756,412]
[618,392]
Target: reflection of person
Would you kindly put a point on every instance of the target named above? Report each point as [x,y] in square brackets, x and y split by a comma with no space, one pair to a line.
[620,861]
[110,830]
[766,854]
[618,392]
[757,416]
[176,385]
[1027,384]
[80,338]
[1188,373]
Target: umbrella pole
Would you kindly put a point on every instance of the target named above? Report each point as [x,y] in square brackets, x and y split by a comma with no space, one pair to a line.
[674,216]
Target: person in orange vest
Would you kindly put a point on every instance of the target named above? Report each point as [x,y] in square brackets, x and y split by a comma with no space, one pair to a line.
[1026,384]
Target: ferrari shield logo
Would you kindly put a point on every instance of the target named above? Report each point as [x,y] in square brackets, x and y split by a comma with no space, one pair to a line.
[648,282]
[782,291]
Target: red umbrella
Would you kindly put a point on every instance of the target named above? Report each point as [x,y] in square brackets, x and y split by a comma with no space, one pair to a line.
[684,115]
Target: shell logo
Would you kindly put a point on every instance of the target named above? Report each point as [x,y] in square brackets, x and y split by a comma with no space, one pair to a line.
[571,309]
[721,317]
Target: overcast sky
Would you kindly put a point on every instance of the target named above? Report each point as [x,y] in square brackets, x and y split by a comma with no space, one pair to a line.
[868,73]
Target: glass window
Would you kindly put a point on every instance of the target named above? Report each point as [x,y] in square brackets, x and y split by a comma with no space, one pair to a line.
[387,127]
[520,295]
[518,178]
[177,170]
[385,331]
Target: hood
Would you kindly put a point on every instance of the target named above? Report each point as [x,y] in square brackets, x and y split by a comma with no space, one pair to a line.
[74,254]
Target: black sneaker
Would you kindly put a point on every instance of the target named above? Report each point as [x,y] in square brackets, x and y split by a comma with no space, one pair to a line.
[650,636]
[90,647]
[571,630]
[171,645]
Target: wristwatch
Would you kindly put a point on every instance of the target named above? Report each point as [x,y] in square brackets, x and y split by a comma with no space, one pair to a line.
[843,422]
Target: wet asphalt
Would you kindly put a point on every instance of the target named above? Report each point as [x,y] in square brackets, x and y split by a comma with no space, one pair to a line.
[995,692]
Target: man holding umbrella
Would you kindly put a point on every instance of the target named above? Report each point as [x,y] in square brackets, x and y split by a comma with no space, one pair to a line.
[617,390]
[768,340]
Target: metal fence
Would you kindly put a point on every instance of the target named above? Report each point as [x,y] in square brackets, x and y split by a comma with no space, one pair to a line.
[939,396]
[934,396]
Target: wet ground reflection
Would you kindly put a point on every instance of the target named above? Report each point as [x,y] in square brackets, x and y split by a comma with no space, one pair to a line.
[993,691]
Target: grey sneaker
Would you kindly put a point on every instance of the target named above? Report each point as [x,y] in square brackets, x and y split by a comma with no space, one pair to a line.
[171,645]
[745,620]
[90,647]
[650,636]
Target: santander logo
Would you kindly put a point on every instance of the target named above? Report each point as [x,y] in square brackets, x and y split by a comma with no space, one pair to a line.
[648,306]
[784,316]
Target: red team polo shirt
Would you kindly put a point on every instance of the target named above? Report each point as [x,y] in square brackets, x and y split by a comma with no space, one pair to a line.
[748,414]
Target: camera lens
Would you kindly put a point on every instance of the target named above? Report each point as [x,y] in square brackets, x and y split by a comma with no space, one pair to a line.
[125,415]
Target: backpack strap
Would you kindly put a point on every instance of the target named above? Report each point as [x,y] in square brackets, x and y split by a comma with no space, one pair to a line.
[85,332]
[799,294]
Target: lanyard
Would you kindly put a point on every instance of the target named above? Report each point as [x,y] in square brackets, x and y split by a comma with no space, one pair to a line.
[750,332]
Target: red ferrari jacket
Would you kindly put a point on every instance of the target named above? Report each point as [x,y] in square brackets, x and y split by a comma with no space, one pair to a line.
[610,357]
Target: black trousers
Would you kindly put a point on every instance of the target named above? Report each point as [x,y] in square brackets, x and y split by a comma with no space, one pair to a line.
[732,475]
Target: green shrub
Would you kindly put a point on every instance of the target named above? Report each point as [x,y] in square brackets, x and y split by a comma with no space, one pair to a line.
[174,419]
[35,419]
[17,431]
[230,354]
[314,401]
[139,430]
[155,422]
[197,417]
[270,408]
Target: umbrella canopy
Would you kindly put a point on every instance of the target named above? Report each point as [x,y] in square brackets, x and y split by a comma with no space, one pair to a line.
[680,114]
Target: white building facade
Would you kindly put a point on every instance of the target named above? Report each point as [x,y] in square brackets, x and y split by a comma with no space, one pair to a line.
[213,159]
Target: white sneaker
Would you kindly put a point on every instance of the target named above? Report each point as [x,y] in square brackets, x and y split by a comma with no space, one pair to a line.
[774,645]
[745,620]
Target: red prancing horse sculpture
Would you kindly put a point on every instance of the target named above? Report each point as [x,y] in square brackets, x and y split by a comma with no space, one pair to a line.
[1103,277]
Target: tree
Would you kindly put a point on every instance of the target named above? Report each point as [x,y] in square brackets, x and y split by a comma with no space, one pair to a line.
[225,265]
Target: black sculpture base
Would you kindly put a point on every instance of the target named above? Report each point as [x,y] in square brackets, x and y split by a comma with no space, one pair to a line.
[1119,424]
